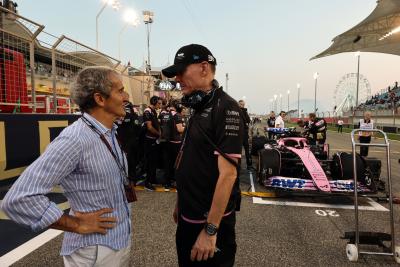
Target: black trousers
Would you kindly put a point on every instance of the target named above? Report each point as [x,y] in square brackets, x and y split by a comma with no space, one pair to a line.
[340,129]
[186,236]
[151,156]
[249,162]
[132,157]
[364,149]
[170,152]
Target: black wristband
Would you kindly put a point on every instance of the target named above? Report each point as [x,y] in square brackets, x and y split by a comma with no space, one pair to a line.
[210,229]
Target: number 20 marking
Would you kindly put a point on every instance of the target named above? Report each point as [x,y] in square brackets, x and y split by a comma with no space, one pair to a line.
[325,213]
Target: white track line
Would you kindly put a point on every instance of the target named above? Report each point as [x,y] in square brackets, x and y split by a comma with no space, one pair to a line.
[258,200]
[26,248]
[253,189]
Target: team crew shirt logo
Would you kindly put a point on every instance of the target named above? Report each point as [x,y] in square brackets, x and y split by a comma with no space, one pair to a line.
[220,120]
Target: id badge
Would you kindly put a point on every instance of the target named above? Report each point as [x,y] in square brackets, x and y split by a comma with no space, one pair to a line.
[130,192]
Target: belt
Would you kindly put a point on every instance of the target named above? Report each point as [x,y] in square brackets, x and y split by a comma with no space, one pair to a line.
[201,221]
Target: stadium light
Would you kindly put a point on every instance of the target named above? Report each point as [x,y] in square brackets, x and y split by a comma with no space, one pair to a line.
[148,18]
[271,105]
[298,98]
[115,4]
[130,18]
[316,75]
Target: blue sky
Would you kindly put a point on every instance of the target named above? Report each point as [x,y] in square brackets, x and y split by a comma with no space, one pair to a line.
[264,45]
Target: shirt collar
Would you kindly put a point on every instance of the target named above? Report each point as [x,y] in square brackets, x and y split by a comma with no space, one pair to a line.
[99,126]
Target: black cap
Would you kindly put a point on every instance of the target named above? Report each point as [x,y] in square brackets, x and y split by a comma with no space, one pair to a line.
[186,55]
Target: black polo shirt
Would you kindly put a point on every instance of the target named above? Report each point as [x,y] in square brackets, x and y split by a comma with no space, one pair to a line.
[150,114]
[176,137]
[197,173]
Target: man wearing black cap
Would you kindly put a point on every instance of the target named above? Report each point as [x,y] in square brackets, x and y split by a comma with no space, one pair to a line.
[206,167]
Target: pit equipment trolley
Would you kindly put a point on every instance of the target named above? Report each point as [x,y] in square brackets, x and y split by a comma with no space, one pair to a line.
[358,238]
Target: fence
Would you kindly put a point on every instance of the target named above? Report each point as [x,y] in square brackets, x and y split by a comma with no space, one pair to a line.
[37,68]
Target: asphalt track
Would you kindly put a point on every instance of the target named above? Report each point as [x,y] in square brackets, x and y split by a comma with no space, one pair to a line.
[294,231]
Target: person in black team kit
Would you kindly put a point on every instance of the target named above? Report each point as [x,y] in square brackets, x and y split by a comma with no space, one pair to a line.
[246,122]
[172,129]
[128,134]
[206,167]
[152,127]
[271,124]
[317,128]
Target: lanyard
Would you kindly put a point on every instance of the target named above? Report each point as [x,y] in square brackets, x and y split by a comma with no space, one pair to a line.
[104,140]
[122,170]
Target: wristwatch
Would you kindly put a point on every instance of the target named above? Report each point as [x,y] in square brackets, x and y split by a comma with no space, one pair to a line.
[210,229]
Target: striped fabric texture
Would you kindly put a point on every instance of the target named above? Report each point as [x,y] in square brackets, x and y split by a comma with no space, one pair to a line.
[84,167]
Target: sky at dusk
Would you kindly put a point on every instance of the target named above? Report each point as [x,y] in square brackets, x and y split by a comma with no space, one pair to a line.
[264,45]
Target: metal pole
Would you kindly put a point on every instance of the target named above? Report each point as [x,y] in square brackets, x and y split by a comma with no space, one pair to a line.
[54,71]
[358,79]
[148,48]
[226,82]
[288,102]
[394,118]
[315,96]
[97,25]
[357,235]
[389,173]
[298,100]
[32,63]
[119,40]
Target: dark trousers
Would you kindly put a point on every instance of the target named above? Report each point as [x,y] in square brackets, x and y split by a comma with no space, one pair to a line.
[170,152]
[151,157]
[246,148]
[186,236]
[364,149]
[340,129]
[133,159]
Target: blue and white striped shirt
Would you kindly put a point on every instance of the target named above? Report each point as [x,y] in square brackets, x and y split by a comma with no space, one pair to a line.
[84,167]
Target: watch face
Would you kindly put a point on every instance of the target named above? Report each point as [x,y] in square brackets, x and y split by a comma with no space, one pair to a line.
[211,229]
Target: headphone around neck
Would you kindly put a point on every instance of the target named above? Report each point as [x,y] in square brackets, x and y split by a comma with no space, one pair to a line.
[198,99]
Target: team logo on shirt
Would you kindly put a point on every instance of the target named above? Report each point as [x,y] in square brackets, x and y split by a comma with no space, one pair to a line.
[232,113]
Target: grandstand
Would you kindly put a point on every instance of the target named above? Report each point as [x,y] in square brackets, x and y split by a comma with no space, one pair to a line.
[386,99]
[37,69]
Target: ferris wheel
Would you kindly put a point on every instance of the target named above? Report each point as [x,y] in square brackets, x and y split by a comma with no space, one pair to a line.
[346,90]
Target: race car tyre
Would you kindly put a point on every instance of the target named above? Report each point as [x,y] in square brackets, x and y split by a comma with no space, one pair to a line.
[269,164]
[352,252]
[257,143]
[343,166]
[397,254]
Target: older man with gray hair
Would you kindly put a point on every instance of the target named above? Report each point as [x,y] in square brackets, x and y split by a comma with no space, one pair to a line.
[86,160]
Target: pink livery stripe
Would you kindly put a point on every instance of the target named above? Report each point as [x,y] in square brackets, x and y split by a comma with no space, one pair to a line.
[237,156]
[314,168]
[200,221]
